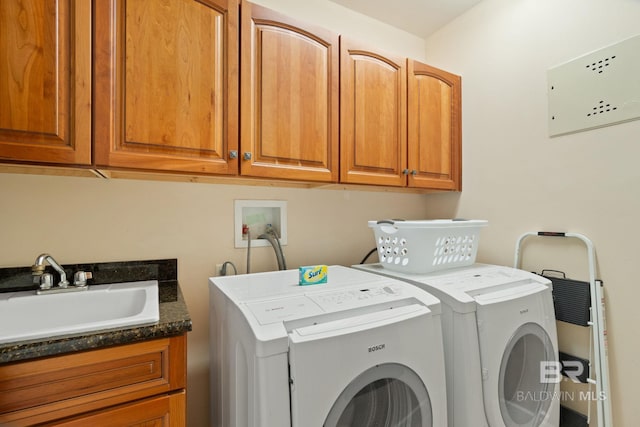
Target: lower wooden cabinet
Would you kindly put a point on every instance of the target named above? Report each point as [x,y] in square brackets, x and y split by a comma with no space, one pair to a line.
[135,384]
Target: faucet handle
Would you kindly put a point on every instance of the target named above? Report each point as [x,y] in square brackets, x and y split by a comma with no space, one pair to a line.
[80,278]
[46,281]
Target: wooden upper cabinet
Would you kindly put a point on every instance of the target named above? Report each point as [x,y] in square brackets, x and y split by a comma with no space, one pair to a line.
[45,81]
[373,112]
[289,98]
[166,88]
[434,132]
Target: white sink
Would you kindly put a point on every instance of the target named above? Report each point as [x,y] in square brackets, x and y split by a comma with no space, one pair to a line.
[25,315]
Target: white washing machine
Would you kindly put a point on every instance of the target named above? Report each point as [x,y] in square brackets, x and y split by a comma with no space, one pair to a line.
[501,350]
[360,350]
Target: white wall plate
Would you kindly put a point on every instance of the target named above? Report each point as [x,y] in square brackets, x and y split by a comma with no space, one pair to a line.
[599,89]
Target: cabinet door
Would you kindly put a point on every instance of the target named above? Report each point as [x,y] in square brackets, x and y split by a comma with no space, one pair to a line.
[45,81]
[162,411]
[58,387]
[166,85]
[373,114]
[289,98]
[434,133]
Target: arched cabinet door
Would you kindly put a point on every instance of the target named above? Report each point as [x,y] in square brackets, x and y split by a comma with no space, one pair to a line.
[289,98]
[166,85]
[373,114]
[45,81]
[434,128]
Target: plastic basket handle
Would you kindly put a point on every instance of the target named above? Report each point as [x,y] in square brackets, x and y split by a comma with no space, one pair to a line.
[389,221]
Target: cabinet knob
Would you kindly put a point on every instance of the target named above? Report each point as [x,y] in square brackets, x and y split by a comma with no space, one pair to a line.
[414,172]
[233,154]
[246,155]
[405,172]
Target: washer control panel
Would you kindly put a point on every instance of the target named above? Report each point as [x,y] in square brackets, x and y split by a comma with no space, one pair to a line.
[358,297]
[322,302]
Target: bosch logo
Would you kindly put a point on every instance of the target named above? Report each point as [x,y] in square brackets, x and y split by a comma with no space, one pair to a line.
[376,348]
[526,310]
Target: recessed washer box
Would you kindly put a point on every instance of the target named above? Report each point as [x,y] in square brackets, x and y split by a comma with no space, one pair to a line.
[259,215]
[598,89]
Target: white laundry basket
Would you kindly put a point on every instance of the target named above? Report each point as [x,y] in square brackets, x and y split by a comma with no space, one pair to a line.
[426,245]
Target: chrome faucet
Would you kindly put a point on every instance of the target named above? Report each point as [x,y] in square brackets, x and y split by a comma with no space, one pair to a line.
[45,280]
[37,270]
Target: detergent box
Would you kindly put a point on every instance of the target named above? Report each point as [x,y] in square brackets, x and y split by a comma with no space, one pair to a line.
[312,274]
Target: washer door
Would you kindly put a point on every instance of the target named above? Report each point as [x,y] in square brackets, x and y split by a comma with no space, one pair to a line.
[517,339]
[388,395]
[374,366]
[524,398]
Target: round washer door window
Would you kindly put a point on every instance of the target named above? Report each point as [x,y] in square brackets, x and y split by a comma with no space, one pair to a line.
[388,395]
[524,398]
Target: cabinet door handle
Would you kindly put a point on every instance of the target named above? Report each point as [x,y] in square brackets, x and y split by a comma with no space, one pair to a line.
[405,172]
[246,155]
[233,154]
[414,172]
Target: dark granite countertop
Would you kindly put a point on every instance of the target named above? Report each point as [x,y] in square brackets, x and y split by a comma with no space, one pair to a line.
[174,318]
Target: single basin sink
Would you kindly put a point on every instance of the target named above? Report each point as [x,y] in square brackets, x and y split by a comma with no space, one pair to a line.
[25,315]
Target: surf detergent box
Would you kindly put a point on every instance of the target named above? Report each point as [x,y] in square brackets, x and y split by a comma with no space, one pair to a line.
[312,274]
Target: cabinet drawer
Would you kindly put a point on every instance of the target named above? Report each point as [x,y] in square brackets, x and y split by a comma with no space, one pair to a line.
[60,386]
[162,411]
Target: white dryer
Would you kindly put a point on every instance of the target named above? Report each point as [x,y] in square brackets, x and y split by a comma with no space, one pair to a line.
[501,350]
[361,350]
